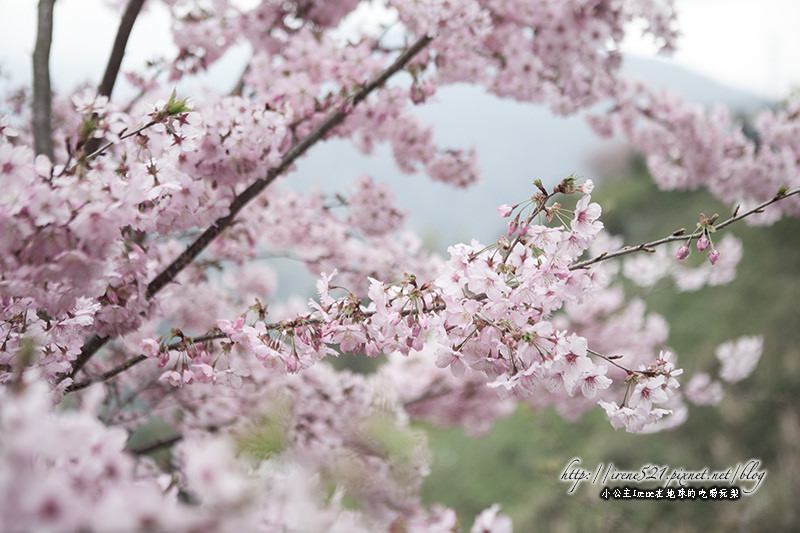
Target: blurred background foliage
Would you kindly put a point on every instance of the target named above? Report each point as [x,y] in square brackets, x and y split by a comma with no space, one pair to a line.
[518,464]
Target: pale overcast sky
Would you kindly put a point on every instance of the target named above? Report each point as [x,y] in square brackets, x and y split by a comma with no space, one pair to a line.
[745,43]
[750,44]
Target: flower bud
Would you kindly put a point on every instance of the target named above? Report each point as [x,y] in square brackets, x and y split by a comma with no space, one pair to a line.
[505,210]
[513,225]
[683,252]
[713,256]
[702,243]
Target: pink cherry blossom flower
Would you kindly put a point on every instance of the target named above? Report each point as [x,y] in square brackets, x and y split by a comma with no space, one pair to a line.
[739,358]
[172,377]
[633,420]
[649,391]
[701,390]
[89,238]
[455,360]
[490,521]
[349,337]
[5,129]
[585,222]
[594,379]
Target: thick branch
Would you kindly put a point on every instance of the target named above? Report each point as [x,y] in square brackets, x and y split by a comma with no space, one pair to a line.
[680,235]
[42,101]
[295,151]
[115,59]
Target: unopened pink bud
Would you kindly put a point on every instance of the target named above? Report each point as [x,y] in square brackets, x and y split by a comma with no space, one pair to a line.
[511,228]
[713,256]
[505,210]
[702,243]
[513,224]
[683,252]
[416,94]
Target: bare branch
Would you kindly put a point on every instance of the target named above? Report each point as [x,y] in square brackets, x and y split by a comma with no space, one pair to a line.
[157,445]
[42,99]
[105,376]
[680,234]
[94,151]
[115,59]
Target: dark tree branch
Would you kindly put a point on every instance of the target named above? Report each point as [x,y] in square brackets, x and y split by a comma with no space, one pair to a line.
[123,33]
[105,376]
[115,60]
[297,149]
[42,100]
[157,445]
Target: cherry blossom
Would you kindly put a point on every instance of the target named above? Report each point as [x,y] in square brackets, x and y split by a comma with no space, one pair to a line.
[738,358]
[137,279]
[701,390]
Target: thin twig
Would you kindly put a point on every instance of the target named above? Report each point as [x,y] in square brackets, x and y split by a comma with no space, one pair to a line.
[611,360]
[211,335]
[133,361]
[97,151]
[679,235]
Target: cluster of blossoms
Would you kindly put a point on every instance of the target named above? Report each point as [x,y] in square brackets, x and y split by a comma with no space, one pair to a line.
[487,317]
[685,148]
[137,226]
